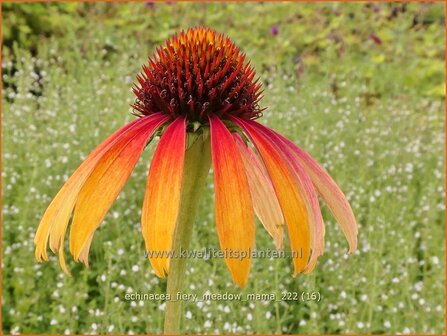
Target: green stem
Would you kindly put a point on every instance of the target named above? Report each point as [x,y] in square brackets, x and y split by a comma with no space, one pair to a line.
[197,165]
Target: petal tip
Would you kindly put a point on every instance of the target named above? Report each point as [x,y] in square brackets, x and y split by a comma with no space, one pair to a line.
[241,281]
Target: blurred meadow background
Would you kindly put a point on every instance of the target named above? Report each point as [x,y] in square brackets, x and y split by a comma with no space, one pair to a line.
[358,85]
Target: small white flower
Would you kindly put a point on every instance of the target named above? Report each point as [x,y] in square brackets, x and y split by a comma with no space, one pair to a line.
[418,286]
[435,260]
[15,330]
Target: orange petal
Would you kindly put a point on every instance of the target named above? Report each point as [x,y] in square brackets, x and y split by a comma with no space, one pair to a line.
[284,181]
[330,192]
[83,257]
[55,219]
[105,182]
[163,189]
[307,192]
[234,210]
[262,193]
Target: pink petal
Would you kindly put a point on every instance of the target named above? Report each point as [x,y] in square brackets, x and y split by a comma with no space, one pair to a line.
[330,192]
[306,190]
[284,181]
[263,194]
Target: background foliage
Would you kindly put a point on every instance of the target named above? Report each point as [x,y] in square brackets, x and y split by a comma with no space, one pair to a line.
[359,85]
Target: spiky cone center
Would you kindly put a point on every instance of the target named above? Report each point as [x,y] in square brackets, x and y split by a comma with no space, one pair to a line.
[198,72]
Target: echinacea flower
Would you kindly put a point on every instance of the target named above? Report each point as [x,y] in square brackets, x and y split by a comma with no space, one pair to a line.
[201,83]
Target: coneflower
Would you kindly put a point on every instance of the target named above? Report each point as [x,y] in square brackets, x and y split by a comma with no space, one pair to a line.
[201,95]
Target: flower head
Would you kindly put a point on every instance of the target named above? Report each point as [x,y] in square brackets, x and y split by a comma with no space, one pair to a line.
[198,73]
[199,85]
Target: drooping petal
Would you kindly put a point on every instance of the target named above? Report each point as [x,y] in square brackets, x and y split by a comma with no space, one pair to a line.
[234,210]
[105,182]
[55,219]
[83,257]
[163,190]
[262,193]
[308,193]
[285,183]
[330,192]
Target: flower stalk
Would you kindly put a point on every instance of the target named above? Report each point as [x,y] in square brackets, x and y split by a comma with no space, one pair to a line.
[197,164]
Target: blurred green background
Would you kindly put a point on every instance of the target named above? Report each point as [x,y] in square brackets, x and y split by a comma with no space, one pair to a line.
[359,85]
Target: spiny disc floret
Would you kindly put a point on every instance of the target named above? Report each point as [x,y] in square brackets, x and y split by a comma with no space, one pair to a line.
[197,73]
